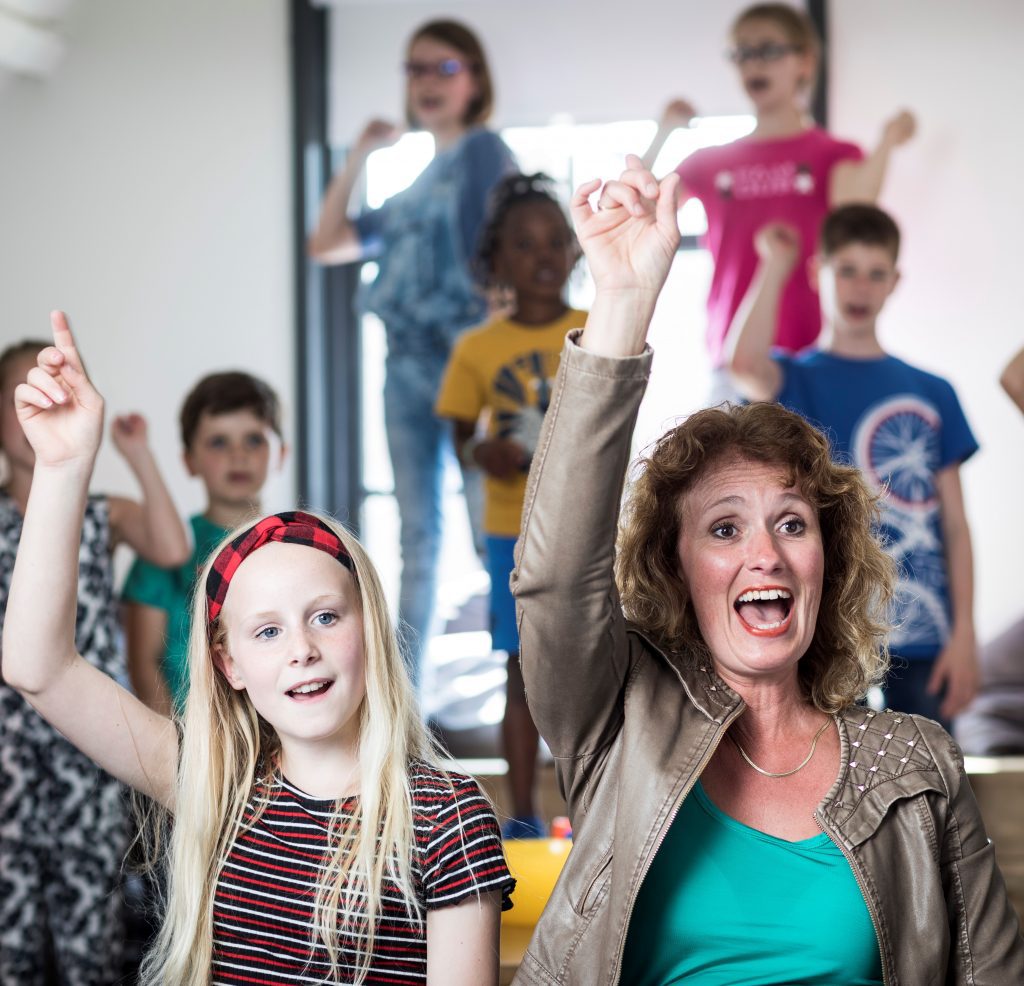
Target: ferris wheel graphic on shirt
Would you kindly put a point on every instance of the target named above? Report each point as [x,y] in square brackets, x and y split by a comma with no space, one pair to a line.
[896,447]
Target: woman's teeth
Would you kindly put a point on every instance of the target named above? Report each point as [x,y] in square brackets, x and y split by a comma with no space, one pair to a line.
[755,594]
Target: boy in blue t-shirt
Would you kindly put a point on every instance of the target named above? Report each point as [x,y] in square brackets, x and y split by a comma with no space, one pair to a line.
[902,427]
[230,425]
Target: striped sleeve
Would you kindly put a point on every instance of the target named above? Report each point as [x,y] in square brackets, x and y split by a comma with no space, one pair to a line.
[459,841]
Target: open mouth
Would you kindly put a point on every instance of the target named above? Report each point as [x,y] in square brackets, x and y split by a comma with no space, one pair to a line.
[857,312]
[310,690]
[765,612]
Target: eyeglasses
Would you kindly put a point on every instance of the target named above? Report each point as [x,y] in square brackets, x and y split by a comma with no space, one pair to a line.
[444,69]
[769,52]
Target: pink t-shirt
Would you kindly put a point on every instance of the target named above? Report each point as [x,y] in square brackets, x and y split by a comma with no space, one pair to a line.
[744,185]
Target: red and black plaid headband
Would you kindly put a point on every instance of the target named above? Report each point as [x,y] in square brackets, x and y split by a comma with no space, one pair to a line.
[293,527]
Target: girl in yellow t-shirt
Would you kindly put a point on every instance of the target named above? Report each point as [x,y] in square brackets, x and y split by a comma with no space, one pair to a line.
[496,389]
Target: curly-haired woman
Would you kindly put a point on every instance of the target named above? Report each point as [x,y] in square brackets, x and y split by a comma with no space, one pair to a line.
[738,817]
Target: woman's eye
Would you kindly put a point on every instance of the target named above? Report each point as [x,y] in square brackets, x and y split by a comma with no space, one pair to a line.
[326,619]
[794,526]
[723,531]
[268,633]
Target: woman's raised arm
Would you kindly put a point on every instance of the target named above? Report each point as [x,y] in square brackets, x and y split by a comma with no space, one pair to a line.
[574,648]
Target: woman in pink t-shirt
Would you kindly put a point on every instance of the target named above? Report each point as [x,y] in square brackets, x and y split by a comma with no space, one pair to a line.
[787,170]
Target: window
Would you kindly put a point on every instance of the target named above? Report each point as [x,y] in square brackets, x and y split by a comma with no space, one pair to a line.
[570,154]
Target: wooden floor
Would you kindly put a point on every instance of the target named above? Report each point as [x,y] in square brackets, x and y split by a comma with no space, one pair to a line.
[998,784]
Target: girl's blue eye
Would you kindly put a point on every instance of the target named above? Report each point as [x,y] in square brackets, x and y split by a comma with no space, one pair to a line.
[326,619]
[269,633]
[255,441]
[218,441]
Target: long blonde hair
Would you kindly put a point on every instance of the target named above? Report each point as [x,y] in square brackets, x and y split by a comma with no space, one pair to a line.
[227,750]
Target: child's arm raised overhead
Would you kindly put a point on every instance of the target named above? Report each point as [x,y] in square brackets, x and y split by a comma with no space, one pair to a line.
[678,113]
[62,416]
[145,631]
[861,181]
[752,333]
[152,528]
[336,239]
[956,667]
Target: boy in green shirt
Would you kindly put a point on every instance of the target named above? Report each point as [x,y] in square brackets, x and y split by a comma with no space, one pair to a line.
[228,424]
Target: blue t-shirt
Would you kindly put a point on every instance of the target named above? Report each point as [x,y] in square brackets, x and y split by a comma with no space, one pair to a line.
[423,239]
[900,426]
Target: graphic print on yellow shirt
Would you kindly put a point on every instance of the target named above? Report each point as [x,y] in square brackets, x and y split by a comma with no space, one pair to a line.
[505,371]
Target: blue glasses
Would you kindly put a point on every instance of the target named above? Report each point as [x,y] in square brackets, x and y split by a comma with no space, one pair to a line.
[443,69]
[769,52]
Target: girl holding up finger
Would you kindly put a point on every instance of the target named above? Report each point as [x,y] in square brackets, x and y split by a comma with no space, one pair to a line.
[315,836]
[63,829]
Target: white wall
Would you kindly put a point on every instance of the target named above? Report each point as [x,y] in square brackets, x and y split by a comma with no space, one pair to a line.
[597,60]
[956,192]
[146,188]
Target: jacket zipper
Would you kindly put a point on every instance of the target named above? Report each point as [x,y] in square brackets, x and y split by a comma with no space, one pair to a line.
[694,777]
[860,886]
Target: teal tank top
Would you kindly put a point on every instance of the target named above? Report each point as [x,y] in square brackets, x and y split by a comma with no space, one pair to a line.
[724,904]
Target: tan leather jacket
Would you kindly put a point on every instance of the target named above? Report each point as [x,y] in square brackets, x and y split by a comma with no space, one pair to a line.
[631,730]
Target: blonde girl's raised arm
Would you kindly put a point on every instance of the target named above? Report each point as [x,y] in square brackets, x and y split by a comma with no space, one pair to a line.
[62,416]
[462,942]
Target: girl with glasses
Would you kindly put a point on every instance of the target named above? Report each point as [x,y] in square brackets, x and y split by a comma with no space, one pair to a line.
[422,239]
[786,170]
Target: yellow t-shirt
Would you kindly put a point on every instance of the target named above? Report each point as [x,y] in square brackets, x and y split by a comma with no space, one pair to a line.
[506,369]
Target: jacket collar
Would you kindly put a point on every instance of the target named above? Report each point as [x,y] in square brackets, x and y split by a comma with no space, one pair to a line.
[883,755]
[706,691]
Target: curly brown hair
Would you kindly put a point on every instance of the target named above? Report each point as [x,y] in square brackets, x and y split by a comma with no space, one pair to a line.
[848,652]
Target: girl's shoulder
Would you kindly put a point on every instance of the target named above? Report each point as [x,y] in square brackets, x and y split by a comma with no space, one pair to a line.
[442,797]
[458,839]
[430,781]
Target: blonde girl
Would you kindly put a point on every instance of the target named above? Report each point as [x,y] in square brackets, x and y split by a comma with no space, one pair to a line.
[314,838]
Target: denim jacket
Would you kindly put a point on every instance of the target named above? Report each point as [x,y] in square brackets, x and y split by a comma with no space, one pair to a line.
[424,238]
[631,729]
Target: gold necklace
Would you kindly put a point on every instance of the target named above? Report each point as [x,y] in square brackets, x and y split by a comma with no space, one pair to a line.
[780,773]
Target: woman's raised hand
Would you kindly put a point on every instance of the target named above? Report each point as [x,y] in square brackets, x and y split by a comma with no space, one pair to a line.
[629,240]
[59,409]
